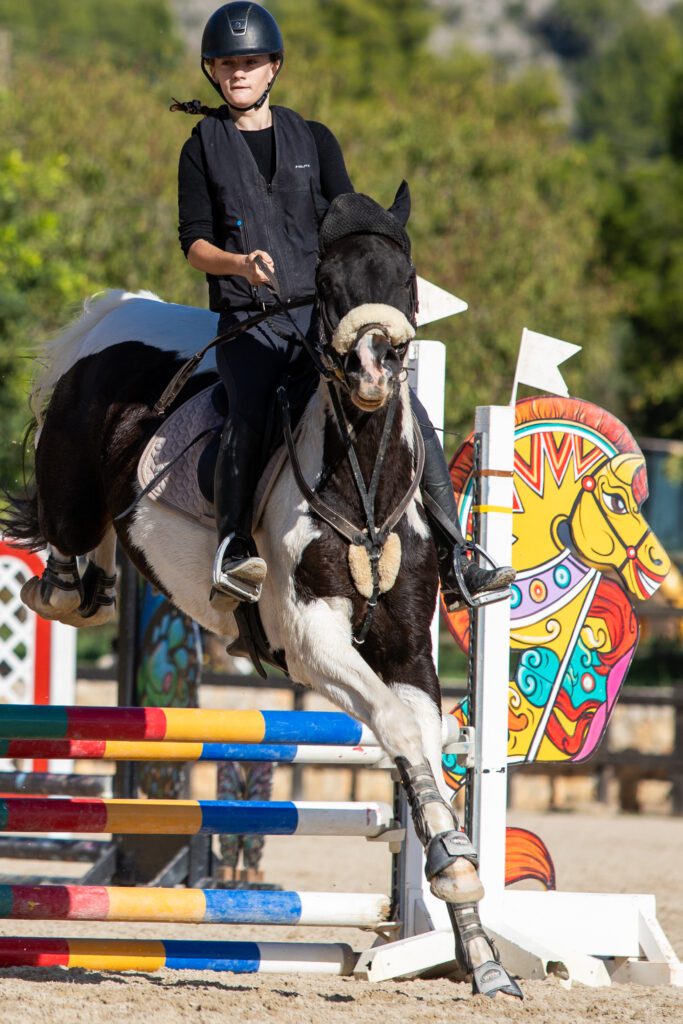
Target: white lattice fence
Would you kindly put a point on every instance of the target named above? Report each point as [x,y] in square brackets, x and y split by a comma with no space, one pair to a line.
[37,658]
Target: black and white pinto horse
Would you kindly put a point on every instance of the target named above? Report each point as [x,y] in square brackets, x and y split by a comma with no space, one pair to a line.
[96,417]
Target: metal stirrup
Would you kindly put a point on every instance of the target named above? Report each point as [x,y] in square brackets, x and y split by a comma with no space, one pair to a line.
[226,583]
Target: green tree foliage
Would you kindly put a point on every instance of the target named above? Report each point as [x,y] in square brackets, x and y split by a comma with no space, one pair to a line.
[625,92]
[35,267]
[643,237]
[577,29]
[506,210]
[130,32]
[87,201]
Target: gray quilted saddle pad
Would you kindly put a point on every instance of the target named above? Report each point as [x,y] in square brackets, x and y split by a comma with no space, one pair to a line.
[178,487]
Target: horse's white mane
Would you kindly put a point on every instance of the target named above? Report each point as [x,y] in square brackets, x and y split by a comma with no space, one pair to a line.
[110,318]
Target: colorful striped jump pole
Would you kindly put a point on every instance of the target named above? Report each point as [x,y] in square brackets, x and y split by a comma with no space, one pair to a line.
[150,750]
[181,724]
[193,725]
[196,906]
[190,817]
[152,955]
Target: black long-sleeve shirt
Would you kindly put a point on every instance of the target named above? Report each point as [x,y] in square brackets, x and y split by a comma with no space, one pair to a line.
[195,205]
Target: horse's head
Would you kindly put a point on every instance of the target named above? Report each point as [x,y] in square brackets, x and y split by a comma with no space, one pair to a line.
[609,531]
[367,296]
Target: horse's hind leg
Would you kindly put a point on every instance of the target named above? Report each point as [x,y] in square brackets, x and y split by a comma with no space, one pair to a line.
[99,585]
[62,594]
[58,593]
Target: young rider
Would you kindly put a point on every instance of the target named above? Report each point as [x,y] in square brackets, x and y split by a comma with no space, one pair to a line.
[252,181]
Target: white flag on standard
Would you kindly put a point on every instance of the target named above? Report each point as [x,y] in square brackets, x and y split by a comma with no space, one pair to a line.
[537,363]
[436,303]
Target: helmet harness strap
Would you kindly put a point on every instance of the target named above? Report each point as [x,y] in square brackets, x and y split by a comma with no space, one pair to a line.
[253,106]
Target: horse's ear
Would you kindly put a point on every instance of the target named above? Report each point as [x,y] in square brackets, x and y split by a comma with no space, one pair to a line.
[400,207]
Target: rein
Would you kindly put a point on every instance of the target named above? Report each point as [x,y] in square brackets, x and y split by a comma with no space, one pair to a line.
[331,371]
[180,379]
[371,537]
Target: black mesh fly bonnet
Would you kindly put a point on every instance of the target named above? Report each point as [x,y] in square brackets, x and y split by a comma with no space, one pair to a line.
[355,214]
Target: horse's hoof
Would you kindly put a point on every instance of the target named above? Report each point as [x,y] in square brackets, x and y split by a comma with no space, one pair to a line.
[31,595]
[103,615]
[491,979]
[450,868]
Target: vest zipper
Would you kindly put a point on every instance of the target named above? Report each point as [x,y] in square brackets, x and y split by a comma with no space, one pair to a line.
[247,249]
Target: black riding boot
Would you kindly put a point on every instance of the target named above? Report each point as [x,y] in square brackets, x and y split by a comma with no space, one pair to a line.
[463,582]
[238,572]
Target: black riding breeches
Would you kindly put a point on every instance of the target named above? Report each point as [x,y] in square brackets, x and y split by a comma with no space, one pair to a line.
[436,479]
[252,364]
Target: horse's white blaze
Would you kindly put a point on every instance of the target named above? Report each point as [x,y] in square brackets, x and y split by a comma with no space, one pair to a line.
[368,359]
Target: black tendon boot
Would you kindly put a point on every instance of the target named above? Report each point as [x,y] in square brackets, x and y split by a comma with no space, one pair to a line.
[238,572]
[463,582]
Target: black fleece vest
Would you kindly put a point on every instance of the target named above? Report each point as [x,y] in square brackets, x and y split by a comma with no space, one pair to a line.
[279,218]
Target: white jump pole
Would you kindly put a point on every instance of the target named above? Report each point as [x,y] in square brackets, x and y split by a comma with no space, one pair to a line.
[494,463]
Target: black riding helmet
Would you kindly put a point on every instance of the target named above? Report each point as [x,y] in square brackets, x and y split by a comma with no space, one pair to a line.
[241,30]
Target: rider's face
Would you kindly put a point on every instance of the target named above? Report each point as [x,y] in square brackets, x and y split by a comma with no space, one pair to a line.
[243,80]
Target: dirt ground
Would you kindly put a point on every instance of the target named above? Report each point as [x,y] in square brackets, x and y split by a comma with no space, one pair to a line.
[596,851]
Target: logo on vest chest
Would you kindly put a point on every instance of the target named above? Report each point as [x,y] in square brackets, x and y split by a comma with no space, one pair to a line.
[301,167]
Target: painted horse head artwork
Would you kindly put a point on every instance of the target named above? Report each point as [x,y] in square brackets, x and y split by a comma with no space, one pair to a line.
[583,552]
[342,526]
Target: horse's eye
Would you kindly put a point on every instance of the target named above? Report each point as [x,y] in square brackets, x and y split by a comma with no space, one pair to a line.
[615,503]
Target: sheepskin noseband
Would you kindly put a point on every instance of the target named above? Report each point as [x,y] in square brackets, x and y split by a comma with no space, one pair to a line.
[363,318]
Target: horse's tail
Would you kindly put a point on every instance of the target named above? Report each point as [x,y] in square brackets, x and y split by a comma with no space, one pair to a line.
[19,520]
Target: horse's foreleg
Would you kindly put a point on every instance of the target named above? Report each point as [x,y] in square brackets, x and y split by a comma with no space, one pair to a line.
[325,658]
[407,723]
[450,857]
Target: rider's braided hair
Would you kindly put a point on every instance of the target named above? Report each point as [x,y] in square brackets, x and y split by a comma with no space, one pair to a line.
[195,107]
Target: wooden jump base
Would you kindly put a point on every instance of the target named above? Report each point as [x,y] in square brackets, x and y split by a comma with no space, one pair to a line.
[180,955]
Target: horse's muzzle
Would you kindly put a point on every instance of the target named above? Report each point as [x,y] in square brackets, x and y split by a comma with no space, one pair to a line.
[371,368]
